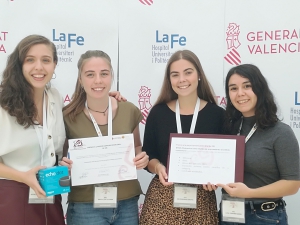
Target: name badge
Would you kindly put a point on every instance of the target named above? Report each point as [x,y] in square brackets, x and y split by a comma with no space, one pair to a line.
[233,209]
[185,196]
[34,199]
[105,195]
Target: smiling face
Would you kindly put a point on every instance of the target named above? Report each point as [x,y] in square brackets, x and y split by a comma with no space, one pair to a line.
[184,78]
[38,66]
[96,77]
[241,95]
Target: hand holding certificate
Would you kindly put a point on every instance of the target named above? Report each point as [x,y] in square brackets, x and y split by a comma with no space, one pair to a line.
[102,159]
[202,158]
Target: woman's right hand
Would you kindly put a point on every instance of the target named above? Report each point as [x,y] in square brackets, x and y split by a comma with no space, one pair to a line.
[66,162]
[162,174]
[29,178]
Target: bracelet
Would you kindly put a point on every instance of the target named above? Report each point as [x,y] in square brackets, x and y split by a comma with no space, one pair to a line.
[156,167]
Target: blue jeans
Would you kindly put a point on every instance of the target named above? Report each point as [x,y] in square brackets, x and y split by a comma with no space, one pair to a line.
[259,217]
[126,213]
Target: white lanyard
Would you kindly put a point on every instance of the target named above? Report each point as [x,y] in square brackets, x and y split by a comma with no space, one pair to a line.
[109,121]
[178,121]
[43,138]
[250,133]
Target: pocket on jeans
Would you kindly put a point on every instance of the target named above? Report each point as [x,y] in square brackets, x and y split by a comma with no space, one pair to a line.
[270,217]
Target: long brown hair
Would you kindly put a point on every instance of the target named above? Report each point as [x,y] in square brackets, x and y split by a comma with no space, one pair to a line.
[204,89]
[16,93]
[79,97]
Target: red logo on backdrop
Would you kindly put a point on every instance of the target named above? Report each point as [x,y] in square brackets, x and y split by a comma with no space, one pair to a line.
[233,43]
[221,100]
[140,209]
[144,102]
[274,41]
[146,2]
[3,38]
[67,99]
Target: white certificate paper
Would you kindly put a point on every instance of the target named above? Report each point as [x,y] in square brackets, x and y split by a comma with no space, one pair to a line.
[202,160]
[102,159]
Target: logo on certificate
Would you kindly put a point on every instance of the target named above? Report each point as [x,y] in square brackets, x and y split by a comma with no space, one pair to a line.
[123,170]
[78,143]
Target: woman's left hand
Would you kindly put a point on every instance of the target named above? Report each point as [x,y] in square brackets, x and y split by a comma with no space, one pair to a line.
[141,160]
[117,95]
[239,190]
[209,187]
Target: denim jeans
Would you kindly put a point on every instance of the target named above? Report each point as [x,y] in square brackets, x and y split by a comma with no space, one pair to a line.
[126,213]
[259,217]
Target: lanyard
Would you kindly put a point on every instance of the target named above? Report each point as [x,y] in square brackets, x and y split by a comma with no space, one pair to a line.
[178,121]
[250,133]
[42,137]
[109,121]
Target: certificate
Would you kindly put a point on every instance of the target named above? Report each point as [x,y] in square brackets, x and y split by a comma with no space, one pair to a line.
[102,159]
[203,158]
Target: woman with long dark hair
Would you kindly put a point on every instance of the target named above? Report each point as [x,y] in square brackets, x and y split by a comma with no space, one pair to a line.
[272,167]
[32,133]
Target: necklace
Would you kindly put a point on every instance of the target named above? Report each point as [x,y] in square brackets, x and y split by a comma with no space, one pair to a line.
[99,111]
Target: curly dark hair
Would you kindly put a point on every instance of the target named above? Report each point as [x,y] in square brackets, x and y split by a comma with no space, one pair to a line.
[16,94]
[265,109]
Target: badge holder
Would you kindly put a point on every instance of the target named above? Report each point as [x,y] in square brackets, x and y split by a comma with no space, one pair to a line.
[105,195]
[233,209]
[34,199]
[185,196]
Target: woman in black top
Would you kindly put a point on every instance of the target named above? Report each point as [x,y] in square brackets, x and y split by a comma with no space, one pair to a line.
[184,81]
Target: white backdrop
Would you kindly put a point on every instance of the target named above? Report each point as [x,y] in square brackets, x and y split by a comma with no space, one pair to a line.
[140,36]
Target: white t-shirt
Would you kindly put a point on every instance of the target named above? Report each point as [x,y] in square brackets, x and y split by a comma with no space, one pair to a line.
[20,148]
